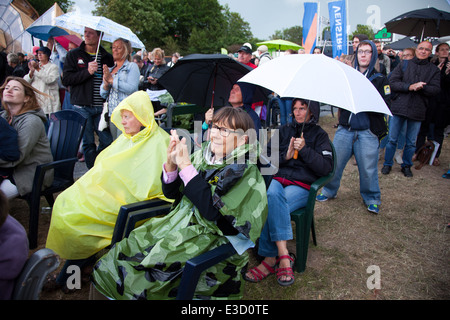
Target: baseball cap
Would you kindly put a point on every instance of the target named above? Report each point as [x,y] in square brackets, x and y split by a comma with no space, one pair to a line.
[263,48]
[45,51]
[245,49]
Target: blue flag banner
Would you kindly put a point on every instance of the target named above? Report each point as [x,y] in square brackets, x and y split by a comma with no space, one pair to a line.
[338,22]
[309,26]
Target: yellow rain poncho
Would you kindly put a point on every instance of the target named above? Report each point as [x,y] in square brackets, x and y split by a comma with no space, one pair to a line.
[129,170]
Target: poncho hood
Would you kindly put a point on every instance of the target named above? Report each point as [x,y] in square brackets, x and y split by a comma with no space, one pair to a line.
[141,106]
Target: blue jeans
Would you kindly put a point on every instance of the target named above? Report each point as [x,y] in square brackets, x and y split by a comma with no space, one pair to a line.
[401,137]
[285,110]
[104,137]
[412,129]
[364,145]
[281,202]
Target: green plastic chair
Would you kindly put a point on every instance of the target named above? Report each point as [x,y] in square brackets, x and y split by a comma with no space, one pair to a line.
[304,219]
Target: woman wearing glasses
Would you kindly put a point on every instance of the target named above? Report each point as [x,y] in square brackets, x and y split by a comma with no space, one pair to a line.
[220,197]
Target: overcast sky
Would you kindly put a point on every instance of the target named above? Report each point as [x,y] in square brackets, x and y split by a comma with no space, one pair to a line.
[267,16]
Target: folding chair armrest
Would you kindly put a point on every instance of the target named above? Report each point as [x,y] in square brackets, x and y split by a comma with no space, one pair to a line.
[145,214]
[139,209]
[39,175]
[195,266]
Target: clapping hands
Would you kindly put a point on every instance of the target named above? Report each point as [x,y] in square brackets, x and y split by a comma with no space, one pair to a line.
[177,153]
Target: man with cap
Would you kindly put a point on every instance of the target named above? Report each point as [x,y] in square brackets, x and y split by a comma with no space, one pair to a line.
[83,73]
[245,55]
[264,55]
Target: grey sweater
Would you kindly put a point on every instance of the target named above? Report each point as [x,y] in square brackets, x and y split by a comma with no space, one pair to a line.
[34,149]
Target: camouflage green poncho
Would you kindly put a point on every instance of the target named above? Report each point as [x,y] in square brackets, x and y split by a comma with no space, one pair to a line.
[149,264]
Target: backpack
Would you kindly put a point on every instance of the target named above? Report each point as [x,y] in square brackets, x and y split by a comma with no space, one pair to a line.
[424,154]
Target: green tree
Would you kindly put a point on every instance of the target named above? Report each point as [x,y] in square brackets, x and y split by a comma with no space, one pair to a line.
[43,5]
[188,26]
[236,30]
[363,29]
[140,16]
[293,34]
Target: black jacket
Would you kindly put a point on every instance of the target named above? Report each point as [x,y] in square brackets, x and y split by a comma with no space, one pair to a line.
[199,192]
[9,146]
[314,159]
[155,71]
[77,77]
[413,104]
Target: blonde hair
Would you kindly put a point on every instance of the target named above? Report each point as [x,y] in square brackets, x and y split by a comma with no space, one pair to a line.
[159,52]
[127,46]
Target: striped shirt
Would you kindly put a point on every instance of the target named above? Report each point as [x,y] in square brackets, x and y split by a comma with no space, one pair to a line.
[97,100]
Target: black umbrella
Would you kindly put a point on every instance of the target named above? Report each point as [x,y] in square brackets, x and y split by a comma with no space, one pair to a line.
[403,44]
[205,79]
[408,43]
[422,23]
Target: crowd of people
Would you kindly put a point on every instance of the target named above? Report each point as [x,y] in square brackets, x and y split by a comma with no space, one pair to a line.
[216,197]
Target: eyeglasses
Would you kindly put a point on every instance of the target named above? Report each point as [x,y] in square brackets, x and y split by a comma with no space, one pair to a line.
[224,132]
[366,52]
[425,49]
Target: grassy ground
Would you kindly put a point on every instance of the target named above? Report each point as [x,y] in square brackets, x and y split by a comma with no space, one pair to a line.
[408,241]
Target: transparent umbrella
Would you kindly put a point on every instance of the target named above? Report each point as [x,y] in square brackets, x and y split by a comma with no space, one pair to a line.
[111,30]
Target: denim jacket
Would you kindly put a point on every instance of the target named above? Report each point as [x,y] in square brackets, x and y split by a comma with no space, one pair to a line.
[125,82]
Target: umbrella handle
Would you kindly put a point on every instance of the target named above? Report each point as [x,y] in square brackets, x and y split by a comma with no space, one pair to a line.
[301,133]
[98,45]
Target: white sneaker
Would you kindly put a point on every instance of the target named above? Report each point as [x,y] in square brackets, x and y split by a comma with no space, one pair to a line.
[398,156]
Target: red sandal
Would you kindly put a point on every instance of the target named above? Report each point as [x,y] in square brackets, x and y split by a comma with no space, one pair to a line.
[258,275]
[288,272]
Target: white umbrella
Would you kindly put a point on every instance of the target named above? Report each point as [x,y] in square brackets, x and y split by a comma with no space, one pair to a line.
[110,29]
[319,78]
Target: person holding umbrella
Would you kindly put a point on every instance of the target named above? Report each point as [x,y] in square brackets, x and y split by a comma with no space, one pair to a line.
[241,96]
[290,186]
[359,134]
[83,73]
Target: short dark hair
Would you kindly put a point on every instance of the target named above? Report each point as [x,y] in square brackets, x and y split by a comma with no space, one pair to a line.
[360,36]
[137,57]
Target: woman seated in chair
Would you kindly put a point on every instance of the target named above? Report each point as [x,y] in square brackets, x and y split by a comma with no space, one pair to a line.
[24,114]
[290,186]
[220,198]
[128,171]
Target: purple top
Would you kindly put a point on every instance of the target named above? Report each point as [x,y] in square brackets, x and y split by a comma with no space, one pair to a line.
[13,255]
